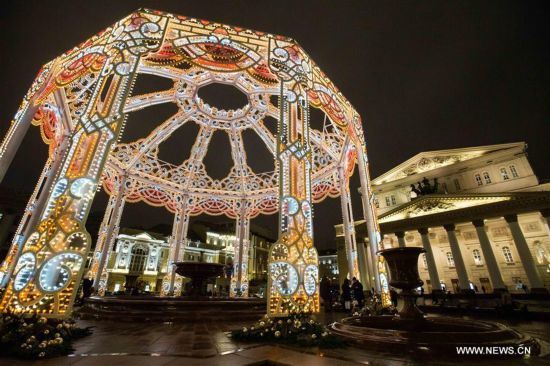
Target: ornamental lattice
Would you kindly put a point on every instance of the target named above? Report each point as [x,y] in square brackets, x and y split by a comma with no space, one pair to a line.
[80,102]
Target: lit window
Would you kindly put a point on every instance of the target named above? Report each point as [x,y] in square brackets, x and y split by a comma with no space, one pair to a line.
[388,202]
[477,257]
[450,259]
[393,202]
[541,253]
[507,255]
[478,180]
[487,177]
[457,184]
[139,257]
[504,174]
[514,171]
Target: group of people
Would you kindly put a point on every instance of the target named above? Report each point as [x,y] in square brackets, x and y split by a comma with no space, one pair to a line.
[351,297]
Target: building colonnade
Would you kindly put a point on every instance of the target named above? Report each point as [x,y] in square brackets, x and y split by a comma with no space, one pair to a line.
[456,256]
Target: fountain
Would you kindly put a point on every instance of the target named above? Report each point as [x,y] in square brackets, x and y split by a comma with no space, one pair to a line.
[412,331]
[194,306]
[199,273]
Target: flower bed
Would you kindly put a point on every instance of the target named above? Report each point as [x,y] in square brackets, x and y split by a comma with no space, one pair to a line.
[34,337]
[298,329]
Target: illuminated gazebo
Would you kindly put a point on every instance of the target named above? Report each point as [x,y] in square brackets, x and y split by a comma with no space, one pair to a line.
[81,100]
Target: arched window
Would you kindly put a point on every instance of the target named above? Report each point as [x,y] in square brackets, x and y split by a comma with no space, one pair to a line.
[504,174]
[450,259]
[478,180]
[477,257]
[541,253]
[514,171]
[507,255]
[487,177]
[139,258]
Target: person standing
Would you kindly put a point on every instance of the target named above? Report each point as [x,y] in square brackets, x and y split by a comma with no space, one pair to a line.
[346,295]
[357,290]
[86,288]
[326,294]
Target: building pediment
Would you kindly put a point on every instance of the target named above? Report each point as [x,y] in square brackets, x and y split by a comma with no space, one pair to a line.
[436,203]
[426,161]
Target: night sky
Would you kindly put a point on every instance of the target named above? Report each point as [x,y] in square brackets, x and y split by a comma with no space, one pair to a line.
[423,75]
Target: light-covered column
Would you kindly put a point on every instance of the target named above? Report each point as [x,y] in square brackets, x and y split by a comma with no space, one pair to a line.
[525,255]
[489,255]
[34,207]
[178,240]
[239,281]
[348,227]
[432,267]
[463,281]
[367,198]
[14,137]
[400,238]
[107,236]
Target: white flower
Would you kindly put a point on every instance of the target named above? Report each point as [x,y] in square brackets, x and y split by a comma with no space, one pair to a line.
[41,354]
[277,334]
[59,340]
[262,324]
[23,345]
[245,330]
[57,335]
[314,336]
[46,331]
[324,334]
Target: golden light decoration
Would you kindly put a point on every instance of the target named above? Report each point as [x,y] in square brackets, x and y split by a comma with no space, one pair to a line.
[81,101]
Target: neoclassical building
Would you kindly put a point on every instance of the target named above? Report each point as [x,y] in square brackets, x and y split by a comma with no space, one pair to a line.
[480,213]
[142,257]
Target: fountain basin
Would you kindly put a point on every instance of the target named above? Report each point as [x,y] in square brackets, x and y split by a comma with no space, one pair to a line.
[199,273]
[412,332]
[171,309]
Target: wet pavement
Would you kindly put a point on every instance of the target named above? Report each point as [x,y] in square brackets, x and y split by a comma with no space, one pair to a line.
[149,343]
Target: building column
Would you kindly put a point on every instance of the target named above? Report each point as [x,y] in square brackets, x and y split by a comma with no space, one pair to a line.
[178,241]
[525,255]
[432,268]
[367,199]
[400,238]
[489,255]
[348,227]
[239,281]
[370,270]
[545,213]
[463,281]
[107,236]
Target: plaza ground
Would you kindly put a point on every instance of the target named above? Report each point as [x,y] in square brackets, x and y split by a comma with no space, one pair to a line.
[150,343]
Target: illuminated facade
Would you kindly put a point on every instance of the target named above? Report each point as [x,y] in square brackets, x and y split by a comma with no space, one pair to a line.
[484,225]
[81,101]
